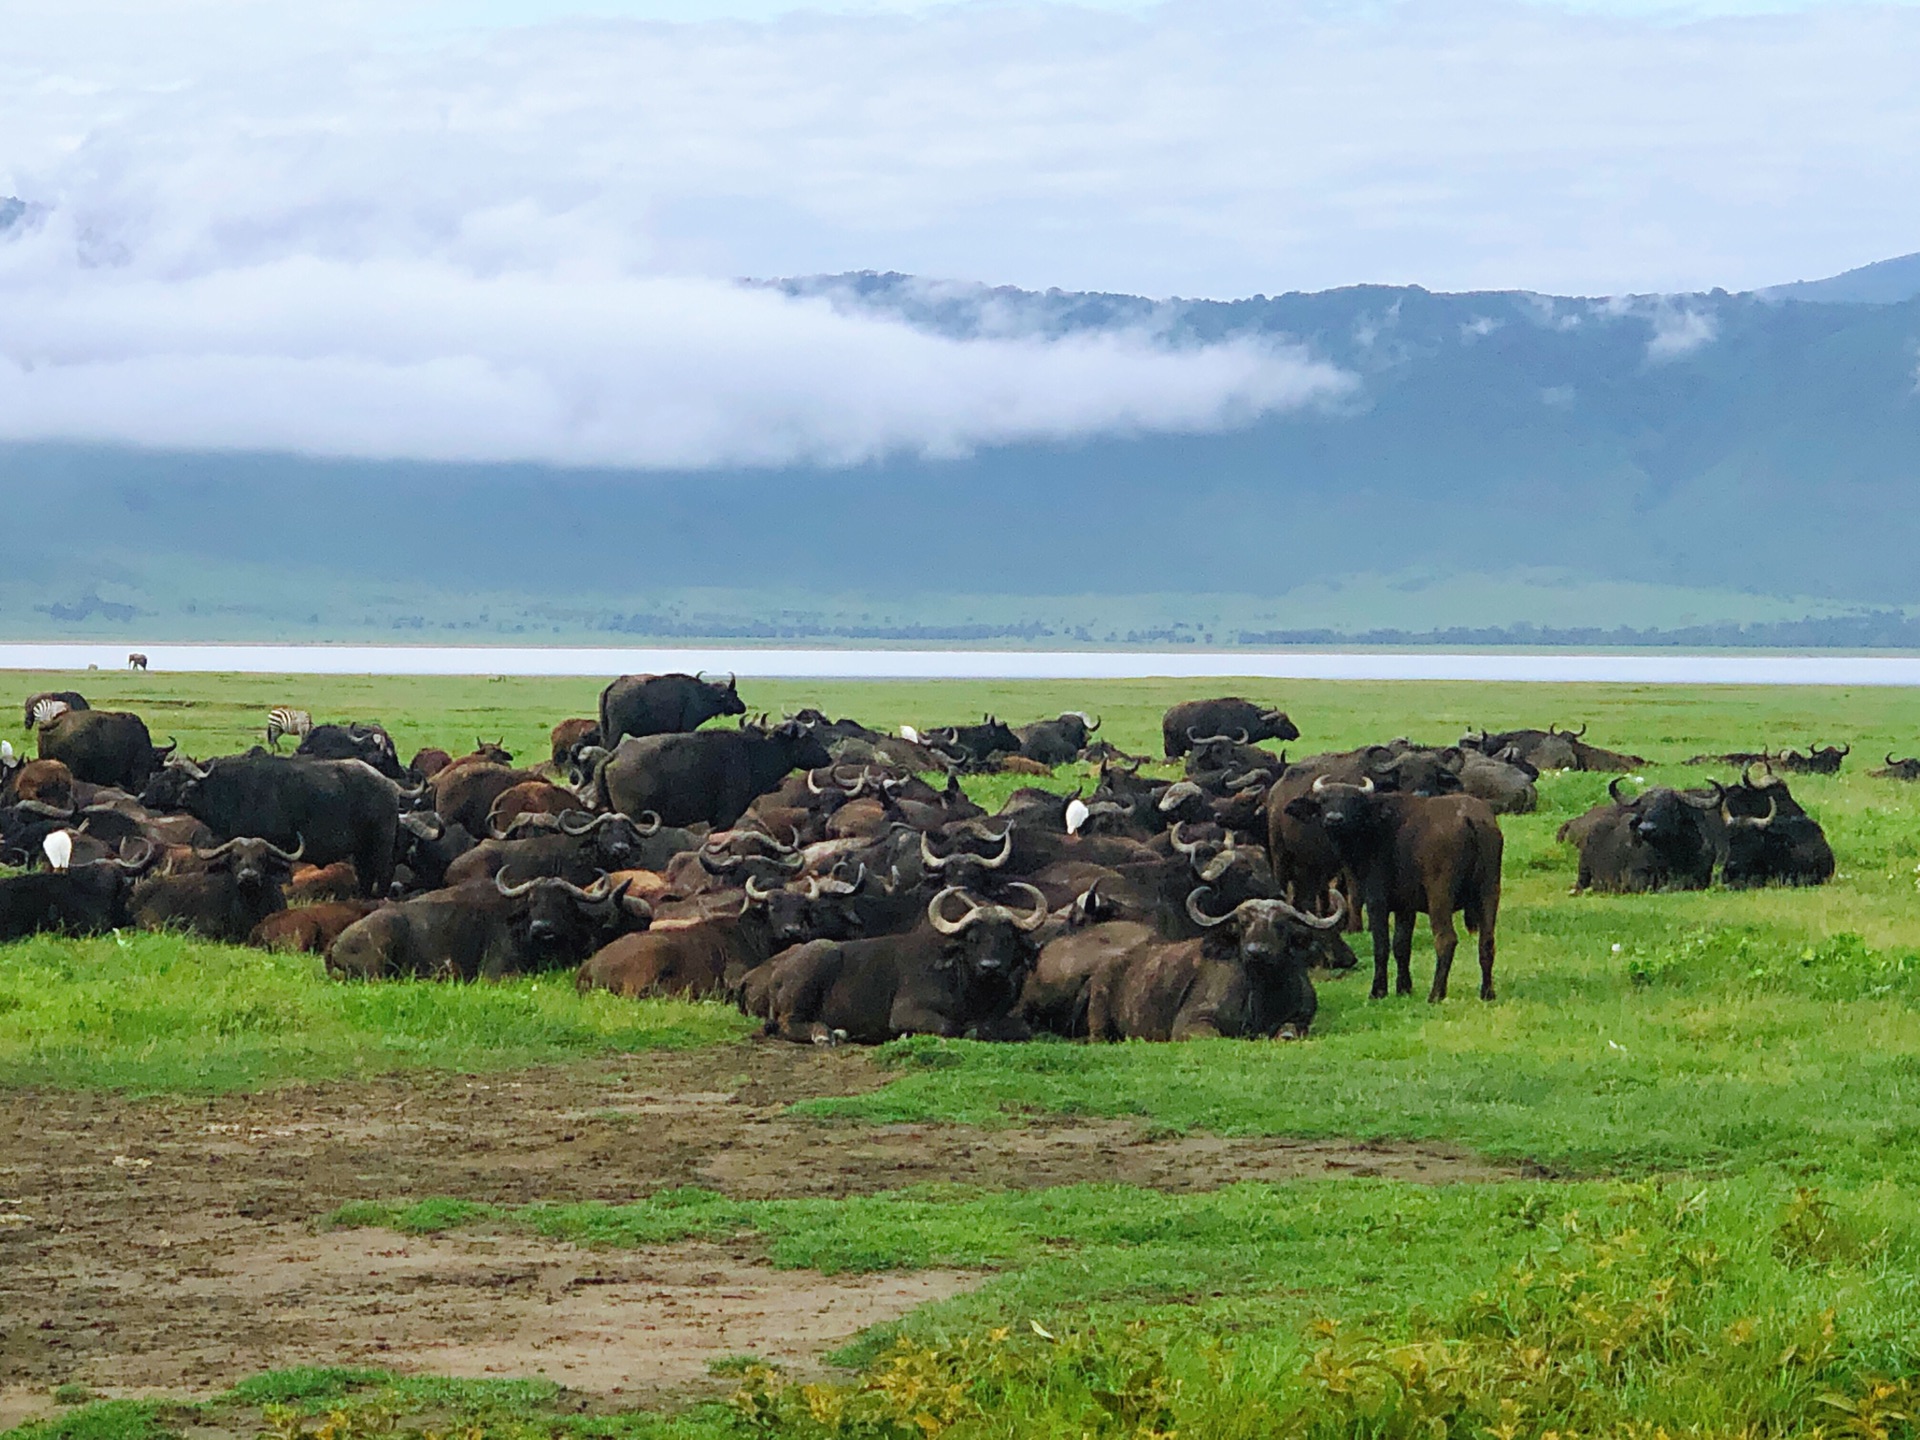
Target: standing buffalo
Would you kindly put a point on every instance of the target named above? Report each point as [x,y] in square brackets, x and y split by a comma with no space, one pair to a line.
[709,775]
[337,809]
[1411,854]
[663,705]
[1229,715]
[104,747]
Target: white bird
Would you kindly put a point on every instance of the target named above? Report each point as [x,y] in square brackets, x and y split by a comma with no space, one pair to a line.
[58,848]
[909,734]
[1077,813]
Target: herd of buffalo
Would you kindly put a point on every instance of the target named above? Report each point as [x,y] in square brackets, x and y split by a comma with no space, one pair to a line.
[809,869]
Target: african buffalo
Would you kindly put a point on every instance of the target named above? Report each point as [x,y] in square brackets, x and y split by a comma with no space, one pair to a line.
[485,930]
[583,847]
[310,929]
[104,747]
[568,738]
[1228,715]
[1411,854]
[242,884]
[336,809]
[1058,741]
[952,975]
[1661,839]
[82,900]
[1248,976]
[1897,769]
[370,743]
[663,705]
[706,776]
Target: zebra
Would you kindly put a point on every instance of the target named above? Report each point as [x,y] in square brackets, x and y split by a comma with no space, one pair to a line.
[46,710]
[282,721]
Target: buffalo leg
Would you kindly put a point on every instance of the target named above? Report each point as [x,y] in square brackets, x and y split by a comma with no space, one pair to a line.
[1380,920]
[1403,952]
[1446,939]
[1486,949]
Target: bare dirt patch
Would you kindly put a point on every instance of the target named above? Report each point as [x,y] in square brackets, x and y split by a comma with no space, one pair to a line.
[169,1244]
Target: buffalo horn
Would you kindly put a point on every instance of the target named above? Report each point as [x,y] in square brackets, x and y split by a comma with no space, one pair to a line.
[40,807]
[1312,922]
[756,894]
[940,922]
[291,857]
[1706,803]
[1751,822]
[1251,778]
[1182,847]
[509,890]
[145,858]
[216,852]
[1200,916]
[181,762]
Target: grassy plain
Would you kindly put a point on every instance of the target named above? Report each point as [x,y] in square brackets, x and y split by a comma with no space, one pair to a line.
[1712,1102]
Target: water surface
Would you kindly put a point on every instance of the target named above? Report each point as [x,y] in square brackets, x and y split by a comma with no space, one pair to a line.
[1643,667]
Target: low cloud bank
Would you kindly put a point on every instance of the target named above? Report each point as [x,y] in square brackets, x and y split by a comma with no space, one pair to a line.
[426,360]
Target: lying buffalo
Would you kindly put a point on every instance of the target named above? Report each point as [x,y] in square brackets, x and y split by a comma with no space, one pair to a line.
[241,884]
[955,974]
[1661,839]
[486,930]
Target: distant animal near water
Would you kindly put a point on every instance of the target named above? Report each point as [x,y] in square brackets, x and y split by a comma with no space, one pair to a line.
[282,721]
[136,661]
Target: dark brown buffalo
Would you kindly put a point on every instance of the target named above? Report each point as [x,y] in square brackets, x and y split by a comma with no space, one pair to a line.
[486,930]
[1410,854]
[1661,839]
[953,975]
[1897,769]
[242,883]
[663,705]
[1247,977]
[1819,760]
[104,747]
[1228,715]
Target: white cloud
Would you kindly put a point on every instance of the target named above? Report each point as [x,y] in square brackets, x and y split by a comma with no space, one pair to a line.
[1679,331]
[508,241]
[581,366]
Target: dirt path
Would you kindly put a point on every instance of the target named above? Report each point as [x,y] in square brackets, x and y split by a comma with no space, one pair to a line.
[169,1244]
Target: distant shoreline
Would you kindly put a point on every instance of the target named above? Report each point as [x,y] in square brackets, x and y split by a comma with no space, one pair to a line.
[1643,667]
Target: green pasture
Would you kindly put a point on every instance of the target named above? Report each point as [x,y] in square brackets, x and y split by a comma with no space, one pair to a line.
[1711,1103]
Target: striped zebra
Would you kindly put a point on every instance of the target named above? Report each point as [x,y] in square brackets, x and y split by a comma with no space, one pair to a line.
[282,721]
[46,710]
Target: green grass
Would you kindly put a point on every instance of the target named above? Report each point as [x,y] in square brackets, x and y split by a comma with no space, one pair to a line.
[159,1013]
[1668,1303]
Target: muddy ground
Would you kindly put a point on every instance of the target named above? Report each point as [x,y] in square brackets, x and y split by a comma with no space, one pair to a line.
[169,1246]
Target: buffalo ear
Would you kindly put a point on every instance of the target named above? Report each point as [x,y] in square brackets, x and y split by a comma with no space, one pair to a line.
[1303,807]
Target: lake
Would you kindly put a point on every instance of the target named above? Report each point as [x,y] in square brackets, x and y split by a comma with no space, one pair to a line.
[1642,667]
